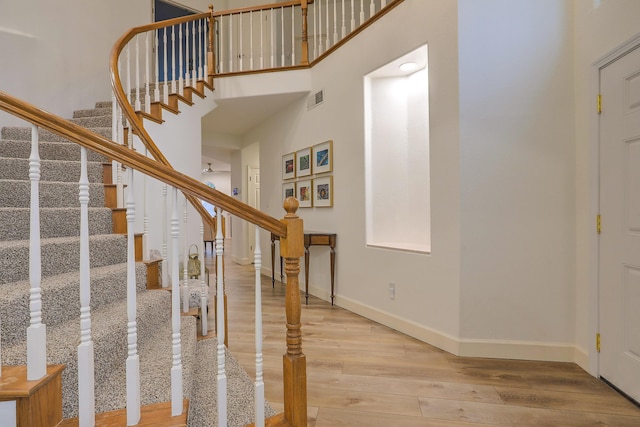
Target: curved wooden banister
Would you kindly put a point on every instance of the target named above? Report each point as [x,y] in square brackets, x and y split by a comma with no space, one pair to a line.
[102,145]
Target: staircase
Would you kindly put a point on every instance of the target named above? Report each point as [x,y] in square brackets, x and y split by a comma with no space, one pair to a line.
[60,219]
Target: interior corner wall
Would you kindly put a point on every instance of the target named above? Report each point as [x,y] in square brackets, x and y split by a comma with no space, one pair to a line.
[517,178]
[58,49]
[426,303]
[248,156]
[600,27]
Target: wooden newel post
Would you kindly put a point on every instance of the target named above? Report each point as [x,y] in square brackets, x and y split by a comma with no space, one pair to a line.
[211,56]
[294,361]
[304,60]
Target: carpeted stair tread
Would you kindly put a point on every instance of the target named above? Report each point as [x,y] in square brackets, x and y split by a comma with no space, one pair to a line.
[60,255]
[92,122]
[61,298]
[47,150]
[109,335]
[17,194]
[54,222]
[203,407]
[24,133]
[92,112]
[50,170]
[155,357]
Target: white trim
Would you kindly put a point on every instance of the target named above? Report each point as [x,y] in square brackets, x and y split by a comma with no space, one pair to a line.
[590,359]
[240,260]
[500,349]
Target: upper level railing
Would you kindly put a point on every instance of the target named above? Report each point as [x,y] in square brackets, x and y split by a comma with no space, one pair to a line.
[289,34]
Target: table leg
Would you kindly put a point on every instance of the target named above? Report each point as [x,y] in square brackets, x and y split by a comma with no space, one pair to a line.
[333,269]
[273,254]
[306,274]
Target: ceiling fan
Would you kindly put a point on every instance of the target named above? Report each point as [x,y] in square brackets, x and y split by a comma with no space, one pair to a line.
[209,169]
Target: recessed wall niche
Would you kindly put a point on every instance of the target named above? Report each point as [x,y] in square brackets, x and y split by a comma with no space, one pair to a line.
[397,170]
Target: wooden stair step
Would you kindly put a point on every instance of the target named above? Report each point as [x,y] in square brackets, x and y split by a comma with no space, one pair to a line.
[157,415]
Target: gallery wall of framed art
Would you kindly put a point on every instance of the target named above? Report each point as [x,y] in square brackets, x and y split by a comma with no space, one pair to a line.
[305,173]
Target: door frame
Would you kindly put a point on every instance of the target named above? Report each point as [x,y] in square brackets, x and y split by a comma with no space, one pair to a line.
[594,209]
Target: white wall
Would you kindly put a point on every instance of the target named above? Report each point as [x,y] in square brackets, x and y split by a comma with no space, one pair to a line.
[600,27]
[427,286]
[517,173]
[53,49]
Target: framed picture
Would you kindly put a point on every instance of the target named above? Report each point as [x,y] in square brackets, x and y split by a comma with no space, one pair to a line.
[289,166]
[288,190]
[303,162]
[323,157]
[303,193]
[323,192]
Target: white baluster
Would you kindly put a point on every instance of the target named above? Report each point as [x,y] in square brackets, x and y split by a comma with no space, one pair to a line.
[0,348]
[147,77]
[86,381]
[240,43]
[193,68]
[315,30]
[145,216]
[129,93]
[327,40]
[165,213]
[335,23]
[138,104]
[251,40]
[261,41]
[176,368]
[353,16]
[201,54]
[204,294]
[187,74]
[156,90]
[133,362]
[180,62]
[282,36]
[165,70]
[259,384]
[372,9]
[231,54]
[174,89]
[222,376]
[272,40]
[120,139]
[361,12]
[344,27]
[185,262]
[293,36]
[37,331]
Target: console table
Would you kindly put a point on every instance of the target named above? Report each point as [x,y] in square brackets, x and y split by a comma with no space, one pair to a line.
[311,238]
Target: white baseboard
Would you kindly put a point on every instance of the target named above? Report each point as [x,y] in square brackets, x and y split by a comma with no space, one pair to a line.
[499,349]
[241,261]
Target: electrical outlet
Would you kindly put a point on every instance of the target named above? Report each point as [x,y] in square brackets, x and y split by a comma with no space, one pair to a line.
[392,291]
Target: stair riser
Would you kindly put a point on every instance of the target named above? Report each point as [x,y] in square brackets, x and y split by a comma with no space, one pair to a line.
[94,121]
[50,170]
[24,134]
[16,194]
[61,299]
[15,223]
[60,256]
[47,151]
[94,112]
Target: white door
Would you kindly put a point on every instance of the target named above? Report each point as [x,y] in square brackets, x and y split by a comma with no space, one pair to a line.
[253,201]
[619,276]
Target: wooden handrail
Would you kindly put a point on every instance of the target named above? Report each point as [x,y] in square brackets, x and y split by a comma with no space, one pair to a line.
[260,7]
[102,145]
[127,109]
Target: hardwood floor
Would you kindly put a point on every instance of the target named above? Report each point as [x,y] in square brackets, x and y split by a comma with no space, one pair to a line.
[360,373]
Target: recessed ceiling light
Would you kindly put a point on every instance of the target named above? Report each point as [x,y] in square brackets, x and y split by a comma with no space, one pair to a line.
[408,66]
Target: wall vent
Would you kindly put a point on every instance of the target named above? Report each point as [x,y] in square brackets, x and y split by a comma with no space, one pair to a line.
[315,99]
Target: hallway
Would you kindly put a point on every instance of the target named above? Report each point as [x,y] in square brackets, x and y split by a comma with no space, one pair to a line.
[362,373]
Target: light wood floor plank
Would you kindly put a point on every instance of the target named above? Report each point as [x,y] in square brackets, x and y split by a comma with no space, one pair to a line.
[360,373]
